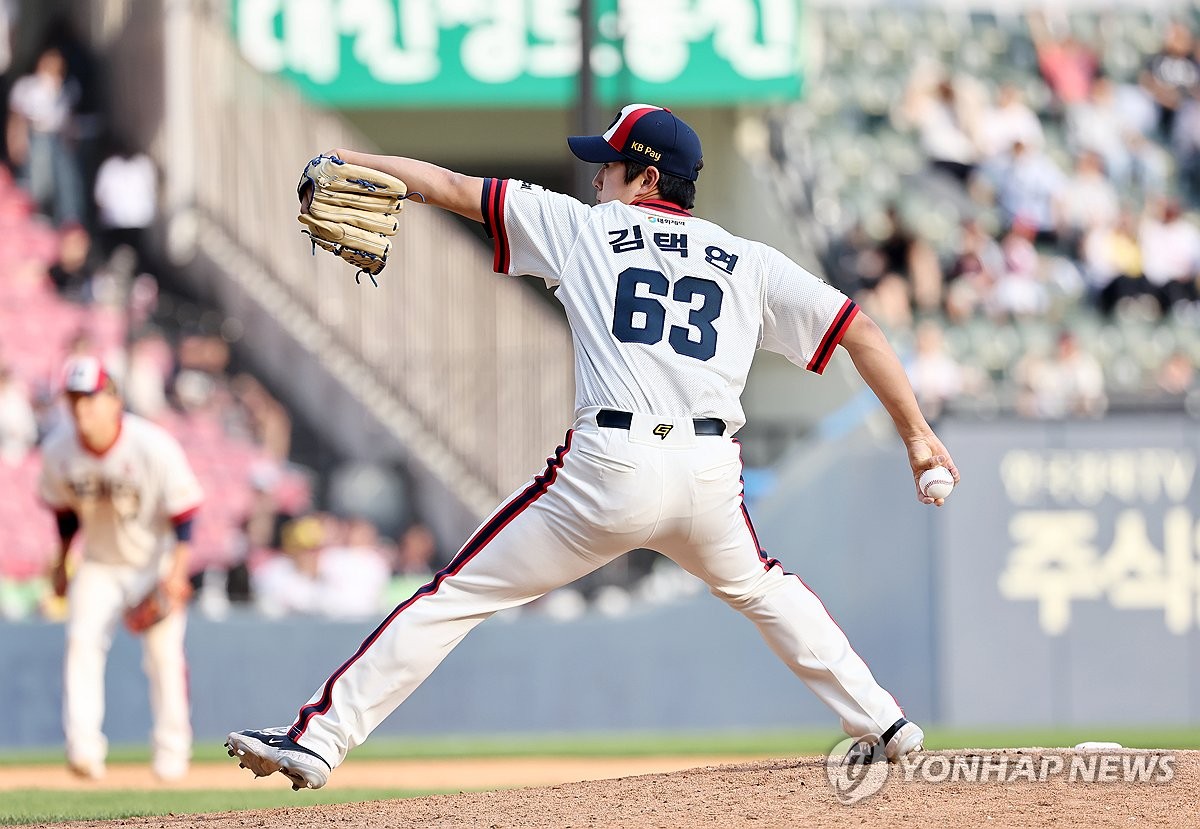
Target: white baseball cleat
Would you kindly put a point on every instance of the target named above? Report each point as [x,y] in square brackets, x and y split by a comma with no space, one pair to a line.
[272,750]
[902,739]
[899,741]
[168,771]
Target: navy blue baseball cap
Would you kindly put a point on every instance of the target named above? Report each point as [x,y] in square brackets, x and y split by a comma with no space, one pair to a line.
[648,135]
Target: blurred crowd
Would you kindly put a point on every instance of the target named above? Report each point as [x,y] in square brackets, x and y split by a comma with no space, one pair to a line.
[1014,197]
[1037,175]
[78,275]
[81,276]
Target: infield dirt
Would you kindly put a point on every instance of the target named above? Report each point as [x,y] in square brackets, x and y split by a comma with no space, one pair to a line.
[773,793]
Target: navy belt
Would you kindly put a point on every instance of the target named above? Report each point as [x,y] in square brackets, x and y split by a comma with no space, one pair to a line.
[612,419]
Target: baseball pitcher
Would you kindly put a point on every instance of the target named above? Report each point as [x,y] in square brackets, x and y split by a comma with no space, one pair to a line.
[666,310]
[126,484]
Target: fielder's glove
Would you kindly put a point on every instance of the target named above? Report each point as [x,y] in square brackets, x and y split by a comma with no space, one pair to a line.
[350,211]
[152,609]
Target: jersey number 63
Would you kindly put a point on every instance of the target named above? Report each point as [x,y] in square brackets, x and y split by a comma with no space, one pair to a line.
[654,313]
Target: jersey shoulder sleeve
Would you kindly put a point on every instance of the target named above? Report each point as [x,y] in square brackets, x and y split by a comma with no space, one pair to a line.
[804,317]
[181,491]
[52,483]
[533,230]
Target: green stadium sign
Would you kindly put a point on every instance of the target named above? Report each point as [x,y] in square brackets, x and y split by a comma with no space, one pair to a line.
[454,53]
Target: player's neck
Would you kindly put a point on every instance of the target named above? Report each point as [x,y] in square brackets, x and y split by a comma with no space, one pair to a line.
[653,195]
[100,440]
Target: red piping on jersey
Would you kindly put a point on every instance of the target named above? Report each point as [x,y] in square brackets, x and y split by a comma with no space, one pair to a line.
[100,453]
[836,625]
[841,322]
[478,542]
[186,515]
[492,208]
[662,206]
[503,254]
[768,563]
[742,497]
[617,142]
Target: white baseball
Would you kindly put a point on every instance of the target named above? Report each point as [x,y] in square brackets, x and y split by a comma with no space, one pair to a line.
[936,482]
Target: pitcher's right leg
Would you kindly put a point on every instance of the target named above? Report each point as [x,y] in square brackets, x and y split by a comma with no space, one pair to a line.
[528,547]
[722,549]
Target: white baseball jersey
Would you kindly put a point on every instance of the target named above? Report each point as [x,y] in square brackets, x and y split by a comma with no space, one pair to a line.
[127,498]
[666,309]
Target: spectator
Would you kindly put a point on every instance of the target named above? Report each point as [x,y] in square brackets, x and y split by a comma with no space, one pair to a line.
[150,365]
[1020,292]
[936,377]
[1030,186]
[944,126]
[18,424]
[353,576]
[1176,377]
[909,257]
[72,273]
[200,384]
[8,19]
[1112,264]
[973,275]
[269,423]
[195,392]
[866,270]
[415,557]
[287,582]
[40,141]
[1106,126]
[1087,200]
[126,193]
[143,300]
[1008,122]
[1067,65]
[1070,384]
[854,263]
[276,496]
[1170,253]
[328,568]
[417,552]
[112,280]
[1171,75]
[889,303]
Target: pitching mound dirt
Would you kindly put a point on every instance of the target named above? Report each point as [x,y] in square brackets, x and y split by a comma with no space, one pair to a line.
[778,793]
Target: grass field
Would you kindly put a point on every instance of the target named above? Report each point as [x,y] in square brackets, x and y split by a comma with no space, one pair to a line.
[38,806]
[643,744]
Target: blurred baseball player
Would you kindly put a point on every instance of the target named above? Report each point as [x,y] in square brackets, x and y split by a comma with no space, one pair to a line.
[666,310]
[126,483]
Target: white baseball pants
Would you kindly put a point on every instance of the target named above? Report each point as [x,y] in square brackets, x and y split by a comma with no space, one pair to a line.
[97,598]
[604,492]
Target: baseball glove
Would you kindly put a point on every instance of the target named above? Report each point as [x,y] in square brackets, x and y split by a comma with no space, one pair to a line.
[152,609]
[350,211]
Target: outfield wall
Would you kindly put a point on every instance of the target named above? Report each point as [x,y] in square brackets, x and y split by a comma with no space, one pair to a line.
[1060,586]
[696,665]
